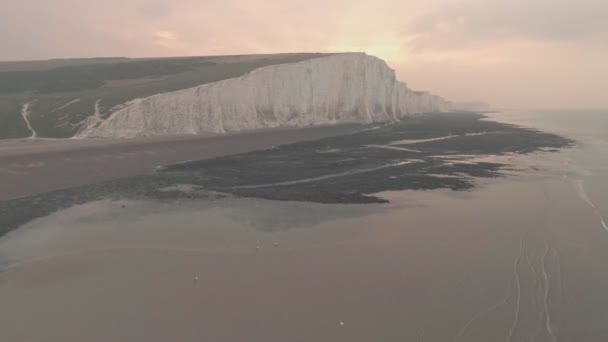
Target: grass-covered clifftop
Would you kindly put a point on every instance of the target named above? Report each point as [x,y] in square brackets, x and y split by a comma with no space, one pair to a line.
[63,94]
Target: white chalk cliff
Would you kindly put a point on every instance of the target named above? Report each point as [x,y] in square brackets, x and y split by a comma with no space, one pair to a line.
[342,88]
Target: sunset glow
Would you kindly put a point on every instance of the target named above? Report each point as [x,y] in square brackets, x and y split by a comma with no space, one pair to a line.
[490,45]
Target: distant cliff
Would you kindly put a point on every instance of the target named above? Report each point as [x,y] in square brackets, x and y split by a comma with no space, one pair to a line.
[342,88]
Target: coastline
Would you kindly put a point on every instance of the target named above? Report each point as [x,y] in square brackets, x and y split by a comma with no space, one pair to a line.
[31,166]
[342,165]
[517,256]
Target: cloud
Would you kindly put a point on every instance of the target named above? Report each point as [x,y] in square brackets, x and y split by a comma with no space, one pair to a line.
[167,39]
[502,51]
[155,8]
[477,23]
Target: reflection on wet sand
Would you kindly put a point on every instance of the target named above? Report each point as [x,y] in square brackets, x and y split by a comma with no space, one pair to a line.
[521,258]
[376,272]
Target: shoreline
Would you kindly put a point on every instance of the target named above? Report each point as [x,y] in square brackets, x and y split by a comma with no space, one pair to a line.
[328,165]
[155,259]
[33,166]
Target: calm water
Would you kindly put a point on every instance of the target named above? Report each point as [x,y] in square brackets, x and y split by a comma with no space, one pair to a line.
[518,259]
[588,162]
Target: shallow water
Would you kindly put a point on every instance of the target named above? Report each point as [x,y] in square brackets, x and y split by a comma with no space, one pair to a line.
[519,258]
[587,164]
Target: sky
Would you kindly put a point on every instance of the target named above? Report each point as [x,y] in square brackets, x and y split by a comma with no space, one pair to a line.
[510,53]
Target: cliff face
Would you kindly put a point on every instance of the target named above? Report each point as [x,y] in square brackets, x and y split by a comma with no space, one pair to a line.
[344,88]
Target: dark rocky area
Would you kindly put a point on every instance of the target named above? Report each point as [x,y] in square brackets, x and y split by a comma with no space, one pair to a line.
[422,152]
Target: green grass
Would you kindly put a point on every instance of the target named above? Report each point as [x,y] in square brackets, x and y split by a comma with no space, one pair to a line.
[55,63]
[11,122]
[49,85]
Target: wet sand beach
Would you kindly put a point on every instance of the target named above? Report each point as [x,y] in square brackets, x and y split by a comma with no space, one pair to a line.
[518,257]
[472,272]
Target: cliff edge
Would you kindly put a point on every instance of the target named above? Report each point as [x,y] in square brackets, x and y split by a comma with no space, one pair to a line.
[342,88]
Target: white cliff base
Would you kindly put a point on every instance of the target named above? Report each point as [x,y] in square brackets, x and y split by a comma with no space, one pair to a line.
[342,88]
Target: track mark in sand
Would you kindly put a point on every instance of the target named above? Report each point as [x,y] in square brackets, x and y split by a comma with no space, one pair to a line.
[538,288]
[560,282]
[564,290]
[530,263]
[539,325]
[583,195]
[518,292]
[25,114]
[546,295]
[483,313]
